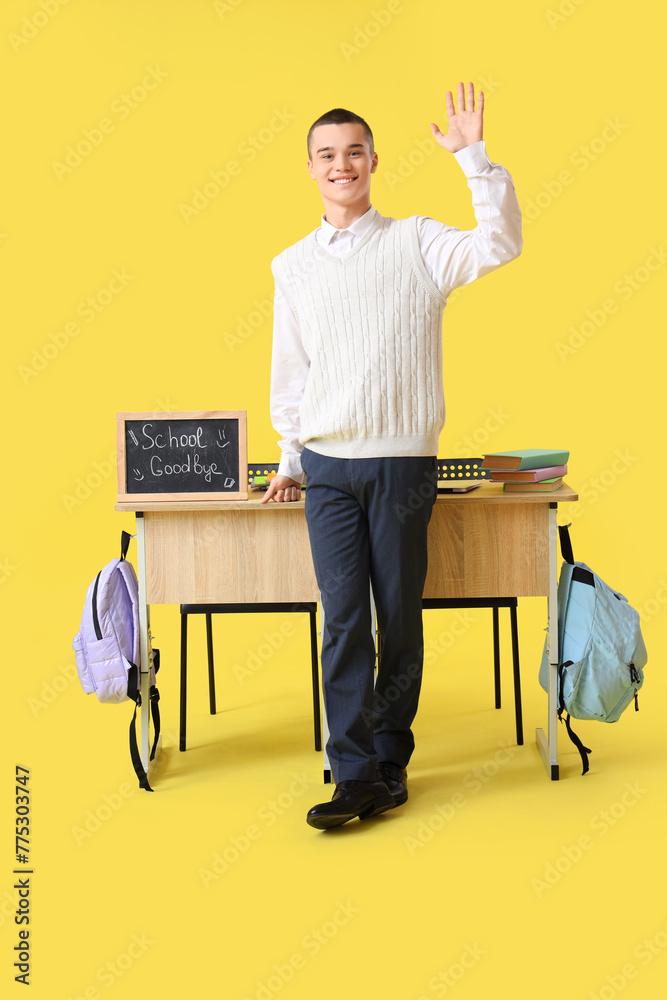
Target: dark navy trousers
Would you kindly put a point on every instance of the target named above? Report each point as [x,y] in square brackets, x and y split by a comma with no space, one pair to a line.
[367,521]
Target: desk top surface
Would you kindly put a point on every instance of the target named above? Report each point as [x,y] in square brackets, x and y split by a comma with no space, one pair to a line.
[487,493]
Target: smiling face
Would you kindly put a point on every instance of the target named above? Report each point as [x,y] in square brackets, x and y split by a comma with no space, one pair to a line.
[342,165]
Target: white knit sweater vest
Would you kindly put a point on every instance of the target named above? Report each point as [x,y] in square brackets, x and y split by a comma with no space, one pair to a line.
[371,325]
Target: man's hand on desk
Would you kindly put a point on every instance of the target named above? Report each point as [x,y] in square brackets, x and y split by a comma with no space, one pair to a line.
[282,488]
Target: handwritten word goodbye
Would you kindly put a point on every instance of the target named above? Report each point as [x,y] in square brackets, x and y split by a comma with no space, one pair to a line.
[188,465]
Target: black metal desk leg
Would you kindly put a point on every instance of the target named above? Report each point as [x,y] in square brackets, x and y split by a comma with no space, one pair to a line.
[211,675]
[496,656]
[517,676]
[184,679]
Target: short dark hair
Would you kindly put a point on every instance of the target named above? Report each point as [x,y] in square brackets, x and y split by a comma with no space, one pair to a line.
[340,116]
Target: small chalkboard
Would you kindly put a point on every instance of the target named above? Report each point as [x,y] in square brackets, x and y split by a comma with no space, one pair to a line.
[177,456]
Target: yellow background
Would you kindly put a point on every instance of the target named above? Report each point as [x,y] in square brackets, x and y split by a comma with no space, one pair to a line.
[166,342]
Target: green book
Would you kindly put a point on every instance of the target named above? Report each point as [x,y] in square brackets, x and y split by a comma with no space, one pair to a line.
[525,458]
[544,486]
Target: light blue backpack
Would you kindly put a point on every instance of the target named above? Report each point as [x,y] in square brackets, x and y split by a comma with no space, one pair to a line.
[601,649]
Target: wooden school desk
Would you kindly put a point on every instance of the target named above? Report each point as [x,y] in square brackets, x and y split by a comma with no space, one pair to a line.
[486,543]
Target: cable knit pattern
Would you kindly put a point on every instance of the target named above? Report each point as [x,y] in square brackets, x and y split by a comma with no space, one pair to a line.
[371,325]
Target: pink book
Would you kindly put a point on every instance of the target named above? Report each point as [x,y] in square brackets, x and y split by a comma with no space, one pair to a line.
[529,476]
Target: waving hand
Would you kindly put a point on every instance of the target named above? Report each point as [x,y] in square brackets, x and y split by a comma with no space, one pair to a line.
[465,126]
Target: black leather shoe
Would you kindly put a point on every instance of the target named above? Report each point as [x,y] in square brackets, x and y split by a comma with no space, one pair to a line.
[351,798]
[396,780]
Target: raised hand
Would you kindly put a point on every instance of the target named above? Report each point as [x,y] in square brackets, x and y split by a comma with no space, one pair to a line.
[465,126]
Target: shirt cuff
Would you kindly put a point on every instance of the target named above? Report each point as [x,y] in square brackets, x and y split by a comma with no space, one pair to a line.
[473,159]
[290,465]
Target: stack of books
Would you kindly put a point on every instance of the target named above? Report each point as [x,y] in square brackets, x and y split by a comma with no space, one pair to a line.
[530,470]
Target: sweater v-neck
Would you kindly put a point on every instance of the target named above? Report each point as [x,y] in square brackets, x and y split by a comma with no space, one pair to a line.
[341,258]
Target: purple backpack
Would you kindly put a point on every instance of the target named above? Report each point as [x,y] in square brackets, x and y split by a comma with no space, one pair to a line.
[107,646]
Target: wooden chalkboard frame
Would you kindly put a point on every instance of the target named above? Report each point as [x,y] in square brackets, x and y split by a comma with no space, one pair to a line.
[137,498]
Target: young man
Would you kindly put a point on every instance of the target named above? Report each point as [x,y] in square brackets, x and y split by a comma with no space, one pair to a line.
[357,393]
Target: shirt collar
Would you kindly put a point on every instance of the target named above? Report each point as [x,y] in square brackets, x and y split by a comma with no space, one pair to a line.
[358,227]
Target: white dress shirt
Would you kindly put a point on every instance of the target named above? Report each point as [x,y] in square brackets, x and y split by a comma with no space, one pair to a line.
[451,256]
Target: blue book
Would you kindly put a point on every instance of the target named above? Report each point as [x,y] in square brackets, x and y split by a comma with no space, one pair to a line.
[525,458]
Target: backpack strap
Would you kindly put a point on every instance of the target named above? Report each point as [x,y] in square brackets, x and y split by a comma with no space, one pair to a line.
[155,698]
[96,620]
[134,694]
[565,543]
[634,677]
[582,576]
[583,751]
[124,544]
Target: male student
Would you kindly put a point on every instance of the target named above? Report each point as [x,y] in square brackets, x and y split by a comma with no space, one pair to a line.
[357,394]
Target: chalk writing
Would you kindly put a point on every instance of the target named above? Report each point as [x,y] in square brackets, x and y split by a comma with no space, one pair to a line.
[180,456]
